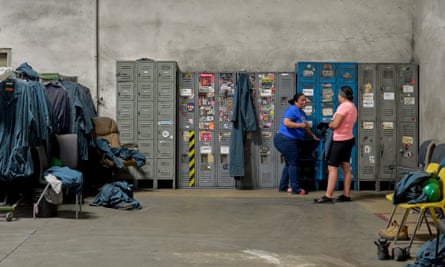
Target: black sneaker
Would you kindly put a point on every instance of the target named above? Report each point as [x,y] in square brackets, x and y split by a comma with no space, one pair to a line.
[323,199]
[343,198]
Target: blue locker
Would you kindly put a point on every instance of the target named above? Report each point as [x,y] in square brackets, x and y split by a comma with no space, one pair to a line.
[321,82]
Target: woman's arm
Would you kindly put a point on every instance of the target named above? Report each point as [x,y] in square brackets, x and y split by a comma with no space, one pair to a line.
[290,124]
[337,121]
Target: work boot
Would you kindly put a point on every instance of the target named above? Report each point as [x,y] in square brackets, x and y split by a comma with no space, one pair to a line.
[382,249]
[390,232]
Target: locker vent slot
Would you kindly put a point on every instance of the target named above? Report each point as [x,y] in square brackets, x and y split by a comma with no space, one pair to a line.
[368,112]
[388,169]
[388,132]
[388,112]
[387,74]
[408,131]
[368,170]
[408,113]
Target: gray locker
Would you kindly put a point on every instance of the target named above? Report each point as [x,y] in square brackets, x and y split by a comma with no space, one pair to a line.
[226,91]
[146,147]
[125,91]
[367,142]
[408,106]
[146,130]
[206,155]
[367,151]
[166,112]
[224,178]
[206,137]
[186,137]
[367,80]
[267,163]
[145,70]
[166,169]
[387,124]
[146,91]
[266,100]
[166,141]
[407,115]
[166,91]
[125,71]
[286,89]
[125,110]
[187,103]
[145,111]
[407,136]
[147,171]
[166,71]
[186,158]
[126,131]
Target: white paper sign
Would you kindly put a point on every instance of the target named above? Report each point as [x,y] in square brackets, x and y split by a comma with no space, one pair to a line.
[409,101]
[205,150]
[388,96]
[308,92]
[224,150]
[408,89]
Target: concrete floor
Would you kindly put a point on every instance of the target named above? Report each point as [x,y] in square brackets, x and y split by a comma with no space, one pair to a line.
[205,228]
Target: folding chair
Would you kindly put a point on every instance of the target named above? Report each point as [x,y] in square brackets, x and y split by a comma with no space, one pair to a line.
[423,207]
[431,156]
[433,169]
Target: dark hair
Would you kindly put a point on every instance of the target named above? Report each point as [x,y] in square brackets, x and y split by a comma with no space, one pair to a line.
[295,98]
[346,92]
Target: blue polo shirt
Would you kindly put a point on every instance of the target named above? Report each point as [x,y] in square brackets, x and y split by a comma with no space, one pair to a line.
[296,115]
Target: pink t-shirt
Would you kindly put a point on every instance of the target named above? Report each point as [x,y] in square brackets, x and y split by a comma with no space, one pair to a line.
[349,112]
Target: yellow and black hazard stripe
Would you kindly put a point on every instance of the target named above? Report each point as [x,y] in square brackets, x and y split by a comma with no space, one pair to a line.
[192,158]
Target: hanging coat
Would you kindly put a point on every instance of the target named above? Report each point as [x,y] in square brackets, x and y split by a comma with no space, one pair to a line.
[244,120]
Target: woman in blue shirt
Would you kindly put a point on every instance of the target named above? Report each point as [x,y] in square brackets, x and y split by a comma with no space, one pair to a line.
[293,127]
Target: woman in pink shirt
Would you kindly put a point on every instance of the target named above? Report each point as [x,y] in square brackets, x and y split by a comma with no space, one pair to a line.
[342,143]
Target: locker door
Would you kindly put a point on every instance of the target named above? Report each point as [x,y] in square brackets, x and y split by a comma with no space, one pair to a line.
[408,106]
[146,130]
[145,70]
[186,158]
[146,91]
[166,71]
[126,131]
[224,178]
[186,101]
[125,110]
[407,116]
[145,111]
[226,90]
[166,141]
[367,141]
[286,89]
[206,159]
[125,71]
[266,100]
[125,91]
[166,91]
[166,114]
[267,165]
[387,121]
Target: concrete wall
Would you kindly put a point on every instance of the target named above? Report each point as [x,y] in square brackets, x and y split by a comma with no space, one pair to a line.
[429,39]
[51,35]
[218,35]
[252,34]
